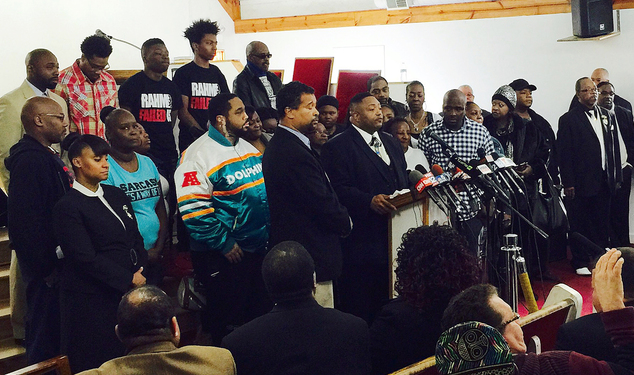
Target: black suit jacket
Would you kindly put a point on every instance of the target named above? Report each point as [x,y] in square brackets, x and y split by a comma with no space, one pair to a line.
[626,127]
[303,205]
[250,89]
[586,335]
[579,152]
[357,175]
[301,337]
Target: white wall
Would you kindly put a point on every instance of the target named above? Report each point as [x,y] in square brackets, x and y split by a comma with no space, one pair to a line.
[61,25]
[443,55]
[484,53]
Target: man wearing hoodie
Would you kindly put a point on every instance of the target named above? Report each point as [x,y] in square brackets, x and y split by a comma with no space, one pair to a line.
[39,179]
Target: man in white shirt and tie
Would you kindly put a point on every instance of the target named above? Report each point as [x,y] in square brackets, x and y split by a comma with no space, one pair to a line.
[365,166]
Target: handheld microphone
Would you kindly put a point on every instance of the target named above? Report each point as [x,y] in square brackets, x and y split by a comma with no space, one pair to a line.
[102,34]
[422,179]
[505,165]
[446,148]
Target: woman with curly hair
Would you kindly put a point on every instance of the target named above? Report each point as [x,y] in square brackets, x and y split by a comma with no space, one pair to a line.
[434,264]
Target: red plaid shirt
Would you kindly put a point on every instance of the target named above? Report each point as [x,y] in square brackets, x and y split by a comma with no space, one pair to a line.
[85,99]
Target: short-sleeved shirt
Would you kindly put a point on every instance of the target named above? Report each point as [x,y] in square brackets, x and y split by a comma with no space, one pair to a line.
[86,99]
[199,85]
[143,187]
[152,103]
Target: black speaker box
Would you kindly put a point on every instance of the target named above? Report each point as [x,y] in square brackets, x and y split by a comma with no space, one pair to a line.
[591,17]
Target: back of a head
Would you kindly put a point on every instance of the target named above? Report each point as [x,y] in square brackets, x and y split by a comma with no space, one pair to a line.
[145,311]
[627,274]
[434,264]
[472,304]
[473,348]
[288,272]
[290,96]
[96,45]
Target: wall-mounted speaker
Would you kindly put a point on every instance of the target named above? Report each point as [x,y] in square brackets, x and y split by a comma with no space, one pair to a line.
[591,17]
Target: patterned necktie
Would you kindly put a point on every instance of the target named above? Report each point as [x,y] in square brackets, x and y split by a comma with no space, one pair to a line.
[376,144]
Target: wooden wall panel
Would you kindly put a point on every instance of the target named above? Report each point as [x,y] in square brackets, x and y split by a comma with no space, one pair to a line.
[433,13]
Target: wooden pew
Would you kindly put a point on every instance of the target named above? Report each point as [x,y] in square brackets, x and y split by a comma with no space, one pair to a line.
[58,364]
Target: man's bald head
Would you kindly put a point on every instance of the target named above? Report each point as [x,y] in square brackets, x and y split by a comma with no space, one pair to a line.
[468,91]
[453,107]
[600,75]
[43,119]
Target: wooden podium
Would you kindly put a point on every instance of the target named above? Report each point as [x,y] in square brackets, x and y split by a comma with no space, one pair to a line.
[412,211]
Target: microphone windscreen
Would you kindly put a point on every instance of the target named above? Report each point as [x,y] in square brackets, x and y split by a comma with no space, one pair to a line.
[581,240]
[415,176]
[481,153]
[436,170]
[421,168]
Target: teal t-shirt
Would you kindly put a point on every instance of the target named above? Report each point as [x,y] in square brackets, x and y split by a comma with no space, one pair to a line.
[143,187]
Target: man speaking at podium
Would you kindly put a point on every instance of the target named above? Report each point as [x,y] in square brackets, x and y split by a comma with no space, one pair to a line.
[365,166]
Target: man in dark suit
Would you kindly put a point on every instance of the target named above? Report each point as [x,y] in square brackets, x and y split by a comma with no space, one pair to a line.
[298,336]
[600,75]
[587,335]
[590,164]
[365,167]
[620,210]
[303,205]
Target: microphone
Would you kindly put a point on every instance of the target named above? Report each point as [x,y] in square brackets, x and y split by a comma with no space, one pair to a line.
[505,165]
[422,180]
[445,185]
[102,34]
[430,133]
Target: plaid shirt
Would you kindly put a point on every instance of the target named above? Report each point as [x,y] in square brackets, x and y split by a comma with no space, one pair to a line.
[85,99]
[465,142]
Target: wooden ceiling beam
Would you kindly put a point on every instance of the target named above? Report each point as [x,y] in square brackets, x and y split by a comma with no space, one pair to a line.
[232,7]
[432,13]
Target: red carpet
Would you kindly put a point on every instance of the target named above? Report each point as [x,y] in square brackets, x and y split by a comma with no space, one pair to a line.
[562,269]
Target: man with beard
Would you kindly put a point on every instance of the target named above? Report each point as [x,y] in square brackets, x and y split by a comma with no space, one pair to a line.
[590,163]
[365,167]
[42,72]
[619,215]
[378,87]
[222,200]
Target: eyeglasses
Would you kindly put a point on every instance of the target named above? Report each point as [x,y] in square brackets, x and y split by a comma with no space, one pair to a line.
[60,116]
[98,68]
[262,56]
[504,324]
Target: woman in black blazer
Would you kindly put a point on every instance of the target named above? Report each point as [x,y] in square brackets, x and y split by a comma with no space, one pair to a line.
[103,256]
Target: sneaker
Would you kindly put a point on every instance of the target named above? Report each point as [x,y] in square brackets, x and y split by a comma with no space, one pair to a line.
[583,271]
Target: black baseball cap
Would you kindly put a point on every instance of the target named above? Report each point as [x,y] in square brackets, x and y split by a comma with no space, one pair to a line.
[521,84]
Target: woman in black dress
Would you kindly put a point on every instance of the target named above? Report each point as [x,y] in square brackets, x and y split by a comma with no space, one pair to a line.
[103,256]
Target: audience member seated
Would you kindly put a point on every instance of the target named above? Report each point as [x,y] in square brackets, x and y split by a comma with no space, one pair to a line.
[103,251]
[399,128]
[270,119]
[388,113]
[318,136]
[587,335]
[255,85]
[487,354]
[328,107]
[481,303]
[418,118]
[378,87]
[139,178]
[87,87]
[298,336]
[434,264]
[147,326]
[252,130]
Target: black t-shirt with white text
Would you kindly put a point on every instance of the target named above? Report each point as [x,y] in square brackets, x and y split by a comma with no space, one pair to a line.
[200,85]
[152,103]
